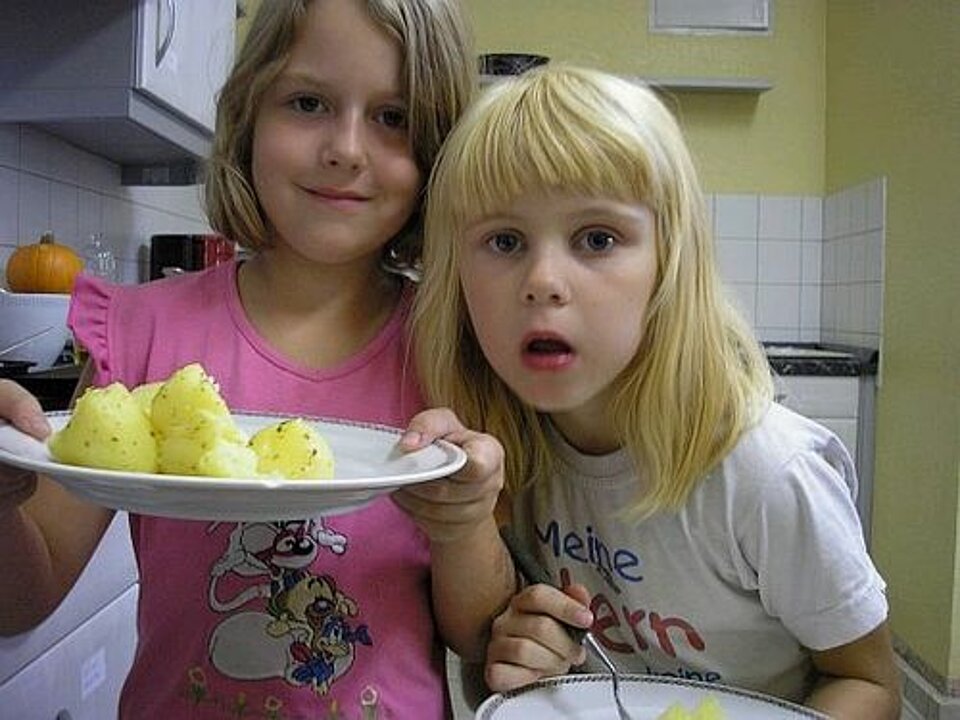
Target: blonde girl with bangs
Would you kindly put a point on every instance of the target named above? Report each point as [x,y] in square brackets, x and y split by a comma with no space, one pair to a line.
[570,307]
[326,132]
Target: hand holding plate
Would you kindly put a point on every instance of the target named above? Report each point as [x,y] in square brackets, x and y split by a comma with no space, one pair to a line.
[20,409]
[451,508]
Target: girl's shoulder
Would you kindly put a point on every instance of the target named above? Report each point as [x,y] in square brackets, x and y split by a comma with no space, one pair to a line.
[113,321]
[94,295]
[217,282]
[779,436]
[782,450]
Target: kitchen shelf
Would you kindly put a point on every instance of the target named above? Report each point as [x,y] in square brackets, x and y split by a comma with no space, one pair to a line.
[749,85]
[745,85]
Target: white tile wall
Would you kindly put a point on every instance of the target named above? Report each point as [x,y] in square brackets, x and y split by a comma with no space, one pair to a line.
[854,230]
[47,184]
[768,249]
[805,268]
[800,267]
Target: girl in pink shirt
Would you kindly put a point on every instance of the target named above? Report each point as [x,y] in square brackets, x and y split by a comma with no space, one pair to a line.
[326,131]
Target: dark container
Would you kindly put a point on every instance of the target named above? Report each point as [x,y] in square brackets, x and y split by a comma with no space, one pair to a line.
[174,254]
[509,63]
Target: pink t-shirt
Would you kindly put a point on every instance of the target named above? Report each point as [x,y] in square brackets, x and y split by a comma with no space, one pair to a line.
[326,617]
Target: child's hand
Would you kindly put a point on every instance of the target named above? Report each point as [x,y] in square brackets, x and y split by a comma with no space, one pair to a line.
[20,409]
[451,508]
[529,640]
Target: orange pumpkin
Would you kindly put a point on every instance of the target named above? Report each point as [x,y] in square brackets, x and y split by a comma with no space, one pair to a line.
[43,267]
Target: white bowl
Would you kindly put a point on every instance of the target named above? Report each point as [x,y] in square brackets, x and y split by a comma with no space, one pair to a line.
[26,314]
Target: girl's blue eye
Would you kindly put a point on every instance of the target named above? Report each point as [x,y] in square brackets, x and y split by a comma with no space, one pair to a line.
[504,243]
[394,118]
[598,240]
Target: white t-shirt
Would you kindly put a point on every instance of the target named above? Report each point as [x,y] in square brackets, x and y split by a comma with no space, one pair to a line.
[766,559]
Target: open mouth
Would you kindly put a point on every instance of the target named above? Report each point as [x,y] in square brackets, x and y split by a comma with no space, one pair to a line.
[548,353]
[548,347]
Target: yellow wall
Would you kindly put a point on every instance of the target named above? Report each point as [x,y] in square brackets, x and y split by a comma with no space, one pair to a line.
[893,108]
[249,10]
[772,142]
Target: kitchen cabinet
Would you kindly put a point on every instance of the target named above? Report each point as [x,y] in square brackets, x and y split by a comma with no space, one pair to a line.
[184,51]
[79,678]
[75,661]
[133,81]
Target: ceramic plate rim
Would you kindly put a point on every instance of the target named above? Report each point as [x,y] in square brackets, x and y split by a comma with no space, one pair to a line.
[491,704]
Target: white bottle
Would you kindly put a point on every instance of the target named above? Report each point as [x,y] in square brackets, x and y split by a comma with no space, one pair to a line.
[100,260]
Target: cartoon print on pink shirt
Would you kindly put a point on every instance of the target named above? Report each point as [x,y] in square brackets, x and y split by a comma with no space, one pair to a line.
[282,620]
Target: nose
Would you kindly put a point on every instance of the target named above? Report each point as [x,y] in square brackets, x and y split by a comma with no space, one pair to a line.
[545,281]
[344,147]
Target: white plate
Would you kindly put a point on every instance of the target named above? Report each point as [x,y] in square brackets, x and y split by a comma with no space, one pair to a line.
[590,697]
[366,463]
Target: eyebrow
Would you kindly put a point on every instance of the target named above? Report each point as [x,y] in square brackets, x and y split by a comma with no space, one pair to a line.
[299,78]
[591,213]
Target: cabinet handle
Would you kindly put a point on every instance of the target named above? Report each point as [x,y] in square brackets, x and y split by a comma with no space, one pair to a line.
[164,45]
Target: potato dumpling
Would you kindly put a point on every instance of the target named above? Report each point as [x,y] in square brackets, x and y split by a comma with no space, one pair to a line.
[709,709]
[191,419]
[182,452]
[144,395]
[182,426]
[185,395]
[228,459]
[292,449]
[108,429]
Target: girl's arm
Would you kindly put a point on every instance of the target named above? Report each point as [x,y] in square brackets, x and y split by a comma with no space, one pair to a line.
[858,681]
[46,534]
[471,573]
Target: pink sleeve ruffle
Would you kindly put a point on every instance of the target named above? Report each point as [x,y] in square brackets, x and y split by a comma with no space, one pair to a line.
[88,319]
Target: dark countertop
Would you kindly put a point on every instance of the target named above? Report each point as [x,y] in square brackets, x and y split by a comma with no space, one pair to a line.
[53,387]
[821,359]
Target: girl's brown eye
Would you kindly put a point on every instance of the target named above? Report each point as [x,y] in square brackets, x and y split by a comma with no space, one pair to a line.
[306,103]
[394,118]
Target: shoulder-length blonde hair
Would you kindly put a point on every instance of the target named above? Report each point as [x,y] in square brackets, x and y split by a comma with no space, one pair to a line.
[439,82]
[699,378]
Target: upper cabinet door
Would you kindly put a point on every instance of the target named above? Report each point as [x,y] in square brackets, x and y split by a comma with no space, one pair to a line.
[185,50]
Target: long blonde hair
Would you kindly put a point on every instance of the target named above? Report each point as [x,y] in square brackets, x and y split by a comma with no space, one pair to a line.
[439,82]
[698,379]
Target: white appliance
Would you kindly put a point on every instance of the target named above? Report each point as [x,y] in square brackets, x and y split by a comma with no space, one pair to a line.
[72,666]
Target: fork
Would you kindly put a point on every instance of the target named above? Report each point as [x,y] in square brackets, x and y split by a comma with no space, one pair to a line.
[532,571]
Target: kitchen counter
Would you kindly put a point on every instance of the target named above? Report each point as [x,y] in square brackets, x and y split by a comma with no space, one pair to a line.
[53,387]
[821,360]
